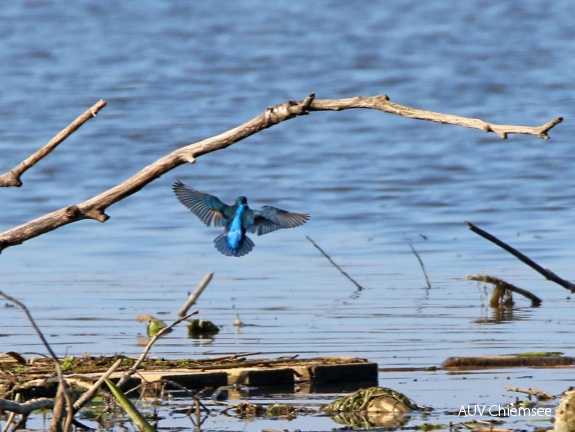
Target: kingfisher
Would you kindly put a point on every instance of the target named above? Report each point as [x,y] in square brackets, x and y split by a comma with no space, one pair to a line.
[236,219]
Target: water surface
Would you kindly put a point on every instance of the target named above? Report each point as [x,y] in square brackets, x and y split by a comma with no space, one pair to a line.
[174,73]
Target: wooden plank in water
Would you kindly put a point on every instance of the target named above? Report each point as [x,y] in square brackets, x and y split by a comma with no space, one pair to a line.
[258,377]
[320,373]
[188,379]
[506,361]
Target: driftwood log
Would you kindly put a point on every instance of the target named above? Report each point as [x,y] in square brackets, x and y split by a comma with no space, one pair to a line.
[94,208]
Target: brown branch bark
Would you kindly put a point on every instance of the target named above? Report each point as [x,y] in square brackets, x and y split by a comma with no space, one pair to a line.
[12,177]
[95,207]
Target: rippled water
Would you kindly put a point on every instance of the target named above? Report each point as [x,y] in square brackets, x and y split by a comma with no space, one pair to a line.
[176,72]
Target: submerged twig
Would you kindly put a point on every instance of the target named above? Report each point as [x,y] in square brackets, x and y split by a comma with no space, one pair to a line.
[421,264]
[548,274]
[501,284]
[194,296]
[359,287]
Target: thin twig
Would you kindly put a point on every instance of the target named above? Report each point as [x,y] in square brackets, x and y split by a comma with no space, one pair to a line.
[421,264]
[535,301]
[359,287]
[194,296]
[126,375]
[548,274]
[12,177]
[92,390]
[62,392]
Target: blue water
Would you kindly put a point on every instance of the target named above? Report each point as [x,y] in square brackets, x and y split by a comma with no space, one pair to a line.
[174,73]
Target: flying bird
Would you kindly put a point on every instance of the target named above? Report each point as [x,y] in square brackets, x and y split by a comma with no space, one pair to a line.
[236,219]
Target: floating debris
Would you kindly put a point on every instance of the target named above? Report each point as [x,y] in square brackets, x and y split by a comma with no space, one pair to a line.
[238,322]
[548,359]
[199,329]
[565,413]
[154,324]
[374,406]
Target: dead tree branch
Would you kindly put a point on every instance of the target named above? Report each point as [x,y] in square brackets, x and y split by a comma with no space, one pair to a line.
[12,177]
[548,274]
[26,408]
[94,388]
[95,207]
[382,103]
[195,295]
[502,285]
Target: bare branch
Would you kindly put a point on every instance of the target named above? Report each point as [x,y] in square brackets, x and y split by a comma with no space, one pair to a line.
[26,408]
[501,284]
[92,390]
[95,207]
[196,294]
[12,177]
[548,274]
[382,103]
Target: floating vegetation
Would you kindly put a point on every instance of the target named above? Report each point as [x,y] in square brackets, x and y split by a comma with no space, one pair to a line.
[374,406]
[154,324]
[199,329]
[130,409]
[373,399]
[540,354]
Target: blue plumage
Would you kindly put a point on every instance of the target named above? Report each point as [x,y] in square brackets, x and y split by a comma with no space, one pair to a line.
[236,219]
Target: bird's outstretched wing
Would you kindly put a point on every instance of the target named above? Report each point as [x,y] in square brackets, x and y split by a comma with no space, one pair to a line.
[208,208]
[268,219]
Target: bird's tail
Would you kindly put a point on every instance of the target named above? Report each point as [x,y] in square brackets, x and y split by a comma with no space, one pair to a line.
[244,247]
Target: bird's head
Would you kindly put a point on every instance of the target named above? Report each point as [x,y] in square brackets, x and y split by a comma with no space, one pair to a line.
[241,200]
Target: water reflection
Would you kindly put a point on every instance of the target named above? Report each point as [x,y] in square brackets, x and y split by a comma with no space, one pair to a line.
[503,315]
